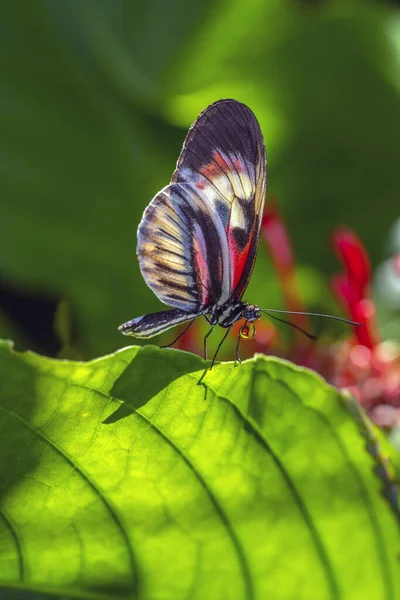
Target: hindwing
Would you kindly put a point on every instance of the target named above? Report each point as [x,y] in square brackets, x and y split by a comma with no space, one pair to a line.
[182,248]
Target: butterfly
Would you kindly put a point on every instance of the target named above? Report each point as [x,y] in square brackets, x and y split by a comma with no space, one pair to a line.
[198,237]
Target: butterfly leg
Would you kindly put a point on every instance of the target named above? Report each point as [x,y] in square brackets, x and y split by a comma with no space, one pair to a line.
[180,335]
[215,355]
[238,359]
[219,346]
[205,341]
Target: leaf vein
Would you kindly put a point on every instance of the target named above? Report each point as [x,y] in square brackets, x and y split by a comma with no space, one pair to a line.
[215,502]
[329,574]
[17,540]
[383,558]
[111,509]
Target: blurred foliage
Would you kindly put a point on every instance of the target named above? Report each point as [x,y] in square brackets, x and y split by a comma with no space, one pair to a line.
[96,98]
[387,286]
[115,485]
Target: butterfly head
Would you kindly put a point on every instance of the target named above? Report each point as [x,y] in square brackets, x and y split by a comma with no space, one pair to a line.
[251,312]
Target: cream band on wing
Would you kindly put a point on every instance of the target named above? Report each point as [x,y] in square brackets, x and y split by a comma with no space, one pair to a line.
[224,175]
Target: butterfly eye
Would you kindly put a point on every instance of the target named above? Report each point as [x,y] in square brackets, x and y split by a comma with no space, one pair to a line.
[247,332]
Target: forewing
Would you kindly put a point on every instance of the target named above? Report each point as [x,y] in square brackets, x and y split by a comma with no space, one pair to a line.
[179,248]
[224,158]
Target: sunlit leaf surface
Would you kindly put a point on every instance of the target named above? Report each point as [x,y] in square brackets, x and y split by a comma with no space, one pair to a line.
[124,478]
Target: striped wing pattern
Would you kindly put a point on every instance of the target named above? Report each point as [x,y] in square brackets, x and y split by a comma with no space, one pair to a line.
[198,238]
[179,248]
[156,323]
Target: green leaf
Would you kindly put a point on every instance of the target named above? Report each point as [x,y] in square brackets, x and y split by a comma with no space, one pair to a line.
[124,478]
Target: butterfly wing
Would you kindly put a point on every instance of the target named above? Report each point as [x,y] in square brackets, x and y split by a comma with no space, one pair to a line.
[182,248]
[224,158]
[198,237]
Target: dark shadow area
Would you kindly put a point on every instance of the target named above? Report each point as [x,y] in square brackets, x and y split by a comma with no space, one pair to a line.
[33,313]
[152,370]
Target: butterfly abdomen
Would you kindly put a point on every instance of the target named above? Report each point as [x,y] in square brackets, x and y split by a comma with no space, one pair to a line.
[156,323]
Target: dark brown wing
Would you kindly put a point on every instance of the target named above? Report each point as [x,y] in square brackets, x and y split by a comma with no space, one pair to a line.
[224,157]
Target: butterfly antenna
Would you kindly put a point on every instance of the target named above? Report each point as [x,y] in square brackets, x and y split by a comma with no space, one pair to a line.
[306,333]
[311,314]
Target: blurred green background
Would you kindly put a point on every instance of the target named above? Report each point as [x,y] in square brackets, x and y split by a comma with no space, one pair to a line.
[96,98]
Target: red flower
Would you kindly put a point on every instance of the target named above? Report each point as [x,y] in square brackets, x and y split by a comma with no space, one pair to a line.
[362,364]
[354,257]
[352,288]
[367,367]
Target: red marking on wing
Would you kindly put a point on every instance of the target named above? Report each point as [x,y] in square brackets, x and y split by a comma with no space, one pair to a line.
[238,259]
[219,164]
[210,171]
[214,167]
[220,160]
[223,160]
[202,184]
[237,163]
[200,259]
